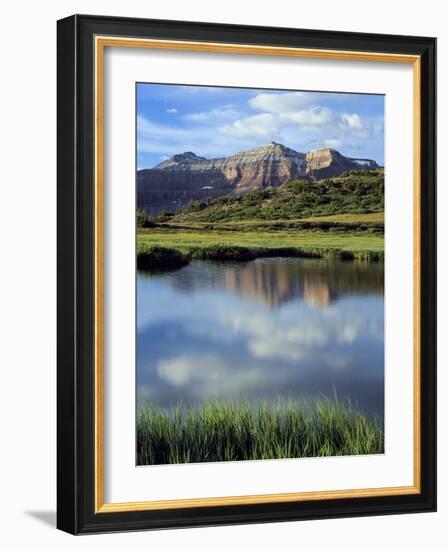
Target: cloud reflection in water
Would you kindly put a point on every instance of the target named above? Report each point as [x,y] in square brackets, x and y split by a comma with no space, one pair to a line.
[256,330]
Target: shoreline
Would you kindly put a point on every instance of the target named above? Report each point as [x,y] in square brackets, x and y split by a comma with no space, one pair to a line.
[162,258]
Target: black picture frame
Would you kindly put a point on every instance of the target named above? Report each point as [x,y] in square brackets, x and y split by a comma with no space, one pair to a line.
[76,271]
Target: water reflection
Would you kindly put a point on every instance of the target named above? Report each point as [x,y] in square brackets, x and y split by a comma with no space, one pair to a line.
[255,330]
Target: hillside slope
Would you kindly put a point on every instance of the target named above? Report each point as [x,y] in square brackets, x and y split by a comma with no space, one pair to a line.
[357,192]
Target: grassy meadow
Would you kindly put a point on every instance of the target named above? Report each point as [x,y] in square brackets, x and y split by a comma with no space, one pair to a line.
[186,238]
[172,246]
[227,431]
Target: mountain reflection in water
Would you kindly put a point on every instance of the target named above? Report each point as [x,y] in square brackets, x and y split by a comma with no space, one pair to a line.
[256,330]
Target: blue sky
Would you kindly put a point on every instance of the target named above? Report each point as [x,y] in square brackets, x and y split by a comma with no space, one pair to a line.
[214,122]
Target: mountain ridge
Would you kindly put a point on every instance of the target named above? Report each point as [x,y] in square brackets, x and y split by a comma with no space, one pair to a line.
[173,183]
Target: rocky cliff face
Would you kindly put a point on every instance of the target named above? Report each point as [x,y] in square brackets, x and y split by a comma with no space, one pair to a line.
[325,163]
[185,177]
[160,189]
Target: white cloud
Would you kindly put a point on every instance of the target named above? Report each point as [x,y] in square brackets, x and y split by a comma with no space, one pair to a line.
[352,121]
[300,111]
[264,349]
[176,371]
[226,111]
[262,125]
[269,338]
[293,343]
[206,139]
[197,117]
[352,126]
[282,115]
[349,331]
[290,108]
[314,116]
[334,142]
[171,110]
[281,102]
[280,112]
[209,374]
[169,140]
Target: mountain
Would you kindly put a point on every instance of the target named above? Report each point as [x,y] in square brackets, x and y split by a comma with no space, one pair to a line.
[176,181]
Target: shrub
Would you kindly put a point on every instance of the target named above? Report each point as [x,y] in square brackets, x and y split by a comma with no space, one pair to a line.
[143,220]
[297,186]
[196,206]
[159,258]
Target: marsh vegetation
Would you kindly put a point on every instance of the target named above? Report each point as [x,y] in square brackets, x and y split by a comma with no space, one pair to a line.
[219,431]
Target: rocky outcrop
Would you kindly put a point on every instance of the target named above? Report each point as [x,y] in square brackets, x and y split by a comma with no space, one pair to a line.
[325,163]
[183,161]
[173,183]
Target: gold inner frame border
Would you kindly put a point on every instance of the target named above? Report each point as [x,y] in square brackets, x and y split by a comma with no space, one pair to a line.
[101,42]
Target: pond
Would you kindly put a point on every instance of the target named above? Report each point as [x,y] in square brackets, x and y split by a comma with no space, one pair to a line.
[288,327]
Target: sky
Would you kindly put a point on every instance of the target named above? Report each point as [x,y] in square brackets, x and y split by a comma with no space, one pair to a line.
[216,121]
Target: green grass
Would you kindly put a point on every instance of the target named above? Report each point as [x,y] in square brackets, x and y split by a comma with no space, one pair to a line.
[256,226]
[344,221]
[184,240]
[227,431]
[239,245]
[372,217]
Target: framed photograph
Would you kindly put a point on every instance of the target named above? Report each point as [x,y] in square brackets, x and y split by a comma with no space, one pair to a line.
[246,274]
